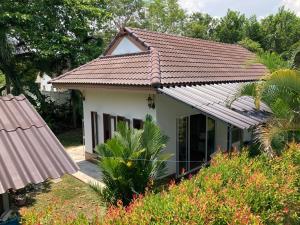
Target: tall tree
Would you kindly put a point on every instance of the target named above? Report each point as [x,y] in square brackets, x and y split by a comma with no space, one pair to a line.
[164,16]
[253,29]
[231,27]
[200,25]
[122,13]
[47,36]
[280,31]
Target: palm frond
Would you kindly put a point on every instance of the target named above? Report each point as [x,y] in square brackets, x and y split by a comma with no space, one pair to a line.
[131,159]
[280,90]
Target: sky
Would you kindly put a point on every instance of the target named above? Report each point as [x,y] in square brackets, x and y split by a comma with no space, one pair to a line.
[260,8]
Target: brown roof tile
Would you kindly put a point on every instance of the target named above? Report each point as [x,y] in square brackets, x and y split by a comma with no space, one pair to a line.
[29,151]
[170,59]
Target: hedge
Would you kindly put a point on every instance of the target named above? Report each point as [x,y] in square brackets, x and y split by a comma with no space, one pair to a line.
[235,189]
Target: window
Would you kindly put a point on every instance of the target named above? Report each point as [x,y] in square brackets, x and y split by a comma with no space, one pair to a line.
[195,141]
[123,119]
[182,144]
[211,126]
[109,126]
[120,119]
[138,124]
[94,121]
[236,135]
[127,122]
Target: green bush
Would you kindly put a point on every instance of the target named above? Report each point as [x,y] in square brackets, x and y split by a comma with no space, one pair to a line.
[233,190]
[273,61]
[132,161]
[251,45]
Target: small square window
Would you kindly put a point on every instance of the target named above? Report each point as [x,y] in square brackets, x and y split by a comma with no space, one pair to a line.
[138,124]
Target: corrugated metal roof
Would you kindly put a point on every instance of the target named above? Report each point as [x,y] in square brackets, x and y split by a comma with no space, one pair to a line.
[168,60]
[29,151]
[213,100]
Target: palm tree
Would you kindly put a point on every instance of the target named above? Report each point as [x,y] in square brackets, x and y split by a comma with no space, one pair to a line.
[132,160]
[280,90]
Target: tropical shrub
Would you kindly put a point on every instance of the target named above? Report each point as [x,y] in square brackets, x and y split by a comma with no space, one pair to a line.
[235,189]
[132,161]
[280,91]
[272,61]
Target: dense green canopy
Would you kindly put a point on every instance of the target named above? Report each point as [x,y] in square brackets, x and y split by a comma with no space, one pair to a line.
[54,36]
[47,36]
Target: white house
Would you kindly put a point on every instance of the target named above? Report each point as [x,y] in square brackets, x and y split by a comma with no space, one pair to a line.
[42,81]
[58,96]
[183,83]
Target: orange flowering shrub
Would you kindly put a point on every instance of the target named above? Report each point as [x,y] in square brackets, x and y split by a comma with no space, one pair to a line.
[233,190]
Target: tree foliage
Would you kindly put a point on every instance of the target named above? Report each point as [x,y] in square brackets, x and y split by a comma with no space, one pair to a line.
[55,36]
[200,25]
[47,36]
[280,31]
[164,16]
[231,27]
[251,45]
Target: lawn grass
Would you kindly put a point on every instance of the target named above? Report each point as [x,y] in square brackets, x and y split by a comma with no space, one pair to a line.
[67,197]
[71,138]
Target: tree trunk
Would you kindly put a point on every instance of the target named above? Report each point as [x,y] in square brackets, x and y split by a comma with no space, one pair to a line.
[74,108]
[7,84]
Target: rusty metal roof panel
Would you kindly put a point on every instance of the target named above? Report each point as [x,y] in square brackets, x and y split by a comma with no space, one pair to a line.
[213,99]
[29,151]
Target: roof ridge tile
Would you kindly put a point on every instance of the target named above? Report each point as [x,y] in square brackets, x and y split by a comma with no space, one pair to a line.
[155,73]
[132,30]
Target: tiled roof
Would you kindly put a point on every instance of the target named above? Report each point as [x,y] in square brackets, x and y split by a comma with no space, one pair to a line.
[131,69]
[169,60]
[29,151]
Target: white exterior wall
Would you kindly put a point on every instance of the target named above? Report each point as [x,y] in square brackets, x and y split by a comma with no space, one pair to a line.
[44,85]
[134,105]
[118,103]
[125,46]
[167,111]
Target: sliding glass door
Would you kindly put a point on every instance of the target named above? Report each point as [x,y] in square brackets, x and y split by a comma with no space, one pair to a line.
[182,144]
[211,130]
[195,141]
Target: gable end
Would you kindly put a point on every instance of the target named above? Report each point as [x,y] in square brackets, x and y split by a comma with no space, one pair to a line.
[124,44]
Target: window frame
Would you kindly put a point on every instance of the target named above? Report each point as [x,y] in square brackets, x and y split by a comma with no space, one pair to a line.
[95,128]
